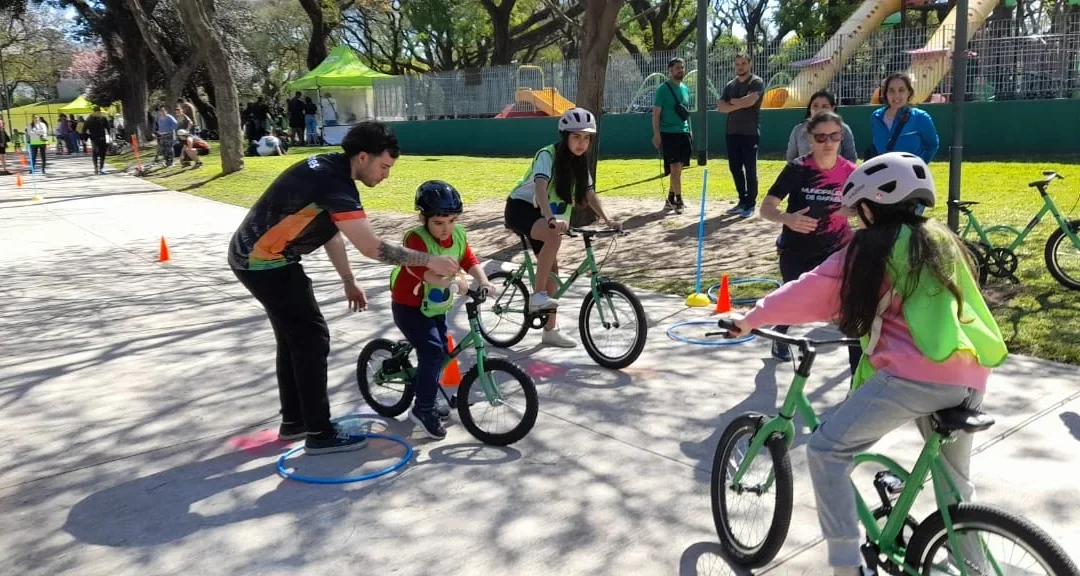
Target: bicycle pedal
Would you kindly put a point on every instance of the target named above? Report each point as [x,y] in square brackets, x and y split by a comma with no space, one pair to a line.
[887,483]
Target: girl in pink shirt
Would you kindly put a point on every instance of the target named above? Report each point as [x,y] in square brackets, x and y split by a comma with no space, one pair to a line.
[904,285]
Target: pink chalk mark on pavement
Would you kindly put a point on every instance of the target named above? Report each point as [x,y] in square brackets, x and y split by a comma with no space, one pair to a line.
[541,369]
[260,441]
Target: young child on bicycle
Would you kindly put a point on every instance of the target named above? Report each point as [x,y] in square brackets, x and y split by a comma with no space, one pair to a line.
[540,206]
[420,298]
[904,286]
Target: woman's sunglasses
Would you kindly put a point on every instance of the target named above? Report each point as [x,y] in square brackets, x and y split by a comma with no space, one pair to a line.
[830,137]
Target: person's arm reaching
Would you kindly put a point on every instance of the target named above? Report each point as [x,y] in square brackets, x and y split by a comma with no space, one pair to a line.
[335,250]
[360,234]
[597,206]
[787,304]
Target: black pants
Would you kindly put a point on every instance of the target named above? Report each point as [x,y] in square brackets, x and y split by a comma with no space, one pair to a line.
[303,343]
[791,267]
[98,147]
[742,160]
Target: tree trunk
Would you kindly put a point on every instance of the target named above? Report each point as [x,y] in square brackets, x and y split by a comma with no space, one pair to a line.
[320,31]
[197,17]
[600,19]
[133,52]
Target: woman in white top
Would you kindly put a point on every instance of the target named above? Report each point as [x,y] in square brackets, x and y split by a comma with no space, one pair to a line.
[799,141]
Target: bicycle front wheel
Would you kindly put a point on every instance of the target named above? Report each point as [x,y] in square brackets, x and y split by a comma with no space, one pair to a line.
[507,411]
[752,517]
[503,322]
[990,541]
[1062,258]
[613,329]
[385,380]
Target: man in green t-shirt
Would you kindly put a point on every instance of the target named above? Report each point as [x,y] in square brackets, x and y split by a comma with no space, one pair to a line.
[671,129]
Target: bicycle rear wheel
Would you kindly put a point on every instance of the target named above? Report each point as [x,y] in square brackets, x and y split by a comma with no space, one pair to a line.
[507,415]
[1062,258]
[749,548]
[616,339]
[502,320]
[385,379]
[991,541]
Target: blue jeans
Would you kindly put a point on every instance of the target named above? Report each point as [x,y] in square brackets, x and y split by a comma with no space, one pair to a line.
[428,337]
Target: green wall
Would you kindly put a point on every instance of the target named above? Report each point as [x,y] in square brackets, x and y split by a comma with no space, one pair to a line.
[1032,126]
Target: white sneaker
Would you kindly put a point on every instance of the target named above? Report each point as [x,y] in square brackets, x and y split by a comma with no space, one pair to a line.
[541,301]
[558,339]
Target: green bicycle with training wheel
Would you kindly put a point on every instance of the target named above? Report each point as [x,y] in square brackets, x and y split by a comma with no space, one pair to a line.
[386,372]
[958,538]
[994,248]
[612,321]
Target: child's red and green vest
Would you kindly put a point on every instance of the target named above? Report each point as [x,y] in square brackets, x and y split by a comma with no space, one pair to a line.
[930,311]
[437,301]
[553,199]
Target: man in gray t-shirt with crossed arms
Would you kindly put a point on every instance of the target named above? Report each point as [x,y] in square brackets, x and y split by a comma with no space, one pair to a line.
[741,100]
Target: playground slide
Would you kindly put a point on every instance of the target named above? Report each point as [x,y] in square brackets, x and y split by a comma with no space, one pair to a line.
[817,72]
[930,64]
[548,100]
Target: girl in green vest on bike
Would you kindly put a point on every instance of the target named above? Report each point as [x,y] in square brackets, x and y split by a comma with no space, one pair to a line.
[904,286]
[420,298]
[539,208]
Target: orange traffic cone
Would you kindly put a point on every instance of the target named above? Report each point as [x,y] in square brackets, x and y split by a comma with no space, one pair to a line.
[451,375]
[18,180]
[163,252]
[23,161]
[723,298]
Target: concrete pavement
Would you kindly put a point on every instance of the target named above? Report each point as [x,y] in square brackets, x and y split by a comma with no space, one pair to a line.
[141,407]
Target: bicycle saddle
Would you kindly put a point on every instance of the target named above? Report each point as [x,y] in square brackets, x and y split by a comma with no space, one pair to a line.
[961,419]
[963,203]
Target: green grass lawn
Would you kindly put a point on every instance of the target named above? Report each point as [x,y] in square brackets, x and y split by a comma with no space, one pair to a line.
[1038,317]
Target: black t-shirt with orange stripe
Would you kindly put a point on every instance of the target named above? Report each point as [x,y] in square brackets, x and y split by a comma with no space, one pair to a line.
[296,214]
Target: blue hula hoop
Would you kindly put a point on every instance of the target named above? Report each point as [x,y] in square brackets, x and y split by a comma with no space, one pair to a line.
[715,289]
[723,342]
[347,479]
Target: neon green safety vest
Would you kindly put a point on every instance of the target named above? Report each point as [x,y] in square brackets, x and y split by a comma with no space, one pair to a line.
[34,140]
[437,301]
[553,199]
[930,312]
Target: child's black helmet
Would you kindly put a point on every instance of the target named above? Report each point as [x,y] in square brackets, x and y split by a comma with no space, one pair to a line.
[437,198]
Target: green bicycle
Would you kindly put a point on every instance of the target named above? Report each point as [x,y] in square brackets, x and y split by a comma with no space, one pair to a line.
[995,247]
[385,374]
[944,542]
[614,336]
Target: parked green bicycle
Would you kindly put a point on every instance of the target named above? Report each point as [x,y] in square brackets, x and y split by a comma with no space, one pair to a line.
[958,538]
[385,374]
[612,321]
[995,247]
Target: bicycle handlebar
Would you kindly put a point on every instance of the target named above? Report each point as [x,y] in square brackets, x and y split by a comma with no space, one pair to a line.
[803,343]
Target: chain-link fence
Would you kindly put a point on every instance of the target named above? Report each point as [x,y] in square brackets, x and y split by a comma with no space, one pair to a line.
[1003,66]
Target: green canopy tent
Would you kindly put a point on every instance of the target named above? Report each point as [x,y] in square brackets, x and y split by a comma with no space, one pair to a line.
[344,93]
[81,105]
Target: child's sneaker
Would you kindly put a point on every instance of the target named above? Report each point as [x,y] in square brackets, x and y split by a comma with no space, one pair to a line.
[290,431]
[339,441]
[429,422]
[670,203]
[541,301]
[558,339]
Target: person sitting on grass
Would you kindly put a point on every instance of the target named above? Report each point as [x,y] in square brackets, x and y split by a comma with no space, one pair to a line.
[539,208]
[190,147]
[420,298]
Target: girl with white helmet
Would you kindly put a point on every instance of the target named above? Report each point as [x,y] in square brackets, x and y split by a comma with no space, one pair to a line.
[539,208]
[904,286]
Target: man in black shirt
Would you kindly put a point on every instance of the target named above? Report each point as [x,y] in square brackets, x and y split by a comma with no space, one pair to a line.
[296,119]
[314,203]
[97,126]
[741,100]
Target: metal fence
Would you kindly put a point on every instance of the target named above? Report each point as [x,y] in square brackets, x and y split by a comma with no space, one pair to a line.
[1003,66]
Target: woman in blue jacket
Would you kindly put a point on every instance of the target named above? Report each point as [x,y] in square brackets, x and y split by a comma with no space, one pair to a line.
[914,129]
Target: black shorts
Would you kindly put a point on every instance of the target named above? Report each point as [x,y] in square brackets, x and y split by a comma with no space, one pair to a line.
[520,216]
[677,147]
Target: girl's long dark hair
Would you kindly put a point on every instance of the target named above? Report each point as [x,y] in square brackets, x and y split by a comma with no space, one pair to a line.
[932,246]
[571,172]
[821,94]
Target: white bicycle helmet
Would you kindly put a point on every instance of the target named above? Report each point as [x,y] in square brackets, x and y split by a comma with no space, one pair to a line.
[577,120]
[891,178]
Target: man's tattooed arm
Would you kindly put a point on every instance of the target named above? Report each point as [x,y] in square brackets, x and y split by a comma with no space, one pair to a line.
[400,255]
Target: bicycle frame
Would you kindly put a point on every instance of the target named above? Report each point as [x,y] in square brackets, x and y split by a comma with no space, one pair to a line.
[1048,206]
